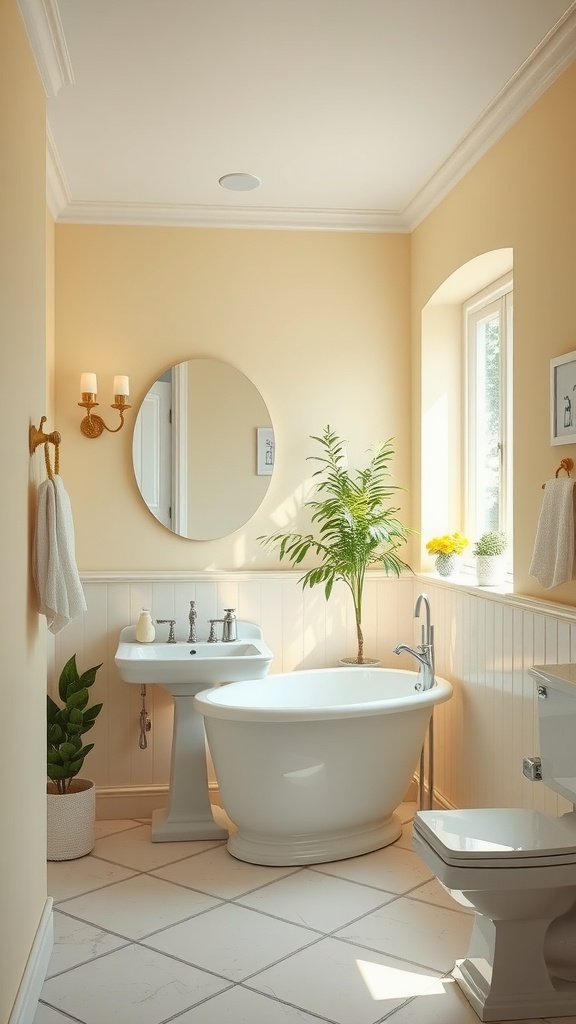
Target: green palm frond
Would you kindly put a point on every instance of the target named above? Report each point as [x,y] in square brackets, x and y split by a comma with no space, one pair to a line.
[357,527]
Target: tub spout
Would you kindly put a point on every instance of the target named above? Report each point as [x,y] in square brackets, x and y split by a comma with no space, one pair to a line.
[424,655]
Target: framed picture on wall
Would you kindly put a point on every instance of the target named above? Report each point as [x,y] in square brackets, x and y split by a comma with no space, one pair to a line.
[563,399]
[265,451]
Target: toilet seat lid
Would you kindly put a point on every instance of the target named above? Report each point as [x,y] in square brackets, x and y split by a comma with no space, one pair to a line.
[495,836]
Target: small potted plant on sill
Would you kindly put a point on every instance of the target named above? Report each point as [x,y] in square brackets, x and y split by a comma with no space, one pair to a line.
[71,800]
[489,553]
[447,549]
[357,527]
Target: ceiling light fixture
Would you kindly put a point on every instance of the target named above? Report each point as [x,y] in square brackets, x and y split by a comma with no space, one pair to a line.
[239,181]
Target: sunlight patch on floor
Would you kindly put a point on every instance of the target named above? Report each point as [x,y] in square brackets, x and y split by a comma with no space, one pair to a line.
[385,982]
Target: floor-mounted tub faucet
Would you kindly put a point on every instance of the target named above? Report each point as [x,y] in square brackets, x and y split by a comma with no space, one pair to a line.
[424,653]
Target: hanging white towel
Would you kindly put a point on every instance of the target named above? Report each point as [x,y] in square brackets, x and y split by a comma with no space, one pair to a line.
[58,585]
[553,558]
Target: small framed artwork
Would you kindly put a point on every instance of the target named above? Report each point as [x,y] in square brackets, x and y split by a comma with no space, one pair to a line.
[265,451]
[563,399]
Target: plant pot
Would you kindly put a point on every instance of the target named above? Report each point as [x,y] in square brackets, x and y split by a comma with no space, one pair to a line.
[490,570]
[447,565]
[367,663]
[71,817]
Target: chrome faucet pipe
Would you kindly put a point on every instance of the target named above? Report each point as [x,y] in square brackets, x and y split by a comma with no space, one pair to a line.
[423,599]
[428,629]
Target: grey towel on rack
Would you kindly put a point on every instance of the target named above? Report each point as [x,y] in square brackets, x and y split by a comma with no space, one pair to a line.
[60,594]
[553,558]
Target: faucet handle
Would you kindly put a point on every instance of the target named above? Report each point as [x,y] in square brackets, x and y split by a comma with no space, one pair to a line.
[171,622]
[212,638]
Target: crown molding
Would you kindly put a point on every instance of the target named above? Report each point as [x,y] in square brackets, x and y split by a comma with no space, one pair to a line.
[46,36]
[75,212]
[554,54]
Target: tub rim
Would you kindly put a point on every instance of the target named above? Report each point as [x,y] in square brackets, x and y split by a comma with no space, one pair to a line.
[206,704]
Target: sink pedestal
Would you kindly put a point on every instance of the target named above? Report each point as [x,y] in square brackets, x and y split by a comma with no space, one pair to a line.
[184,668]
[189,812]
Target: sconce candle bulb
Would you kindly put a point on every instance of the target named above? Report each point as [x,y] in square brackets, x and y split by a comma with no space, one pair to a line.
[88,384]
[121,386]
[92,425]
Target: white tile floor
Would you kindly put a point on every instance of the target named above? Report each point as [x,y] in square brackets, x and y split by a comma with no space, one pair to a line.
[147,933]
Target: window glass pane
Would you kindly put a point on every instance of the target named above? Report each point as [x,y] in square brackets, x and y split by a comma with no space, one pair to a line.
[488,426]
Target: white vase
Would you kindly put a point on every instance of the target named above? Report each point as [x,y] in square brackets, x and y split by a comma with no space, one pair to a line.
[490,570]
[446,565]
[70,820]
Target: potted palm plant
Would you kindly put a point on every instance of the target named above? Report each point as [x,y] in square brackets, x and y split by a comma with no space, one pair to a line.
[71,800]
[357,527]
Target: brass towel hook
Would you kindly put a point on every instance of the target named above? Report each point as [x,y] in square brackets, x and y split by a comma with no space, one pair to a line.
[565,464]
[37,436]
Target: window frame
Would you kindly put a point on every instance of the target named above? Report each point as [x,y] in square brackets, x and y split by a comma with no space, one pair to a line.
[496,297]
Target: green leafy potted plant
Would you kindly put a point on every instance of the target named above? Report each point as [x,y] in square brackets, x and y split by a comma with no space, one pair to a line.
[71,800]
[489,553]
[357,527]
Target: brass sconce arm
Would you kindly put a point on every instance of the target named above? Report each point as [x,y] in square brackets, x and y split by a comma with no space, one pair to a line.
[93,425]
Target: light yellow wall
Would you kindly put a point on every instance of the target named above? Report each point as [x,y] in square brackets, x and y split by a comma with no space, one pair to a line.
[521,194]
[23,390]
[318,321]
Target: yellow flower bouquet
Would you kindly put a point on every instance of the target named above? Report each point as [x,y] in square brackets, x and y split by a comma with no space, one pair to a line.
[448,544]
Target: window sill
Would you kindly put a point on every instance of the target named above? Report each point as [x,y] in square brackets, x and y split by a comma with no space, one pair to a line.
[466,583]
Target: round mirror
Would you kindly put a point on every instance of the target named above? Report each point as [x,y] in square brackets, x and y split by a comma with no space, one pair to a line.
[203,449]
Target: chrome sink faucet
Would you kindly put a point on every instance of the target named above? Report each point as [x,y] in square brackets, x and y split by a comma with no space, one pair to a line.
[424,653]
[229,629]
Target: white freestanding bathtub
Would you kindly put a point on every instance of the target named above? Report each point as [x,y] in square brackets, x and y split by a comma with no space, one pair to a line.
[311,765]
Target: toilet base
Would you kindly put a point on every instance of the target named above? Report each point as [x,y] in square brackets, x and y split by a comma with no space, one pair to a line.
[471,979]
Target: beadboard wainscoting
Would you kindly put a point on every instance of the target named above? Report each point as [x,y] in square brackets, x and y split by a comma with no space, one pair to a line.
[485,643]
[300,627]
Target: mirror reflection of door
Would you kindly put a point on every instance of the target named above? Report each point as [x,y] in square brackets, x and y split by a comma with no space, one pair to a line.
[152,450]
[209,465]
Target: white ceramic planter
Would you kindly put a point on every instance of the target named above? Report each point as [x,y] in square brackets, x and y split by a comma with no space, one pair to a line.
[70,820]
[447,565]
[490,570]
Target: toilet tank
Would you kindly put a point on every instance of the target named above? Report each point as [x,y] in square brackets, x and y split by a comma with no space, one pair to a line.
[556,694]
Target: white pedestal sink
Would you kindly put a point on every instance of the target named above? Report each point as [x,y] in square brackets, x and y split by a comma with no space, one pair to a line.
[184,669]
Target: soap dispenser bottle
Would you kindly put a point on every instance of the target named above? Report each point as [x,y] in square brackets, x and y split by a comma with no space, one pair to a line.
[145,632]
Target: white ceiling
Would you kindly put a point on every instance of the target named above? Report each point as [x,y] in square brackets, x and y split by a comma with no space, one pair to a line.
[355,114]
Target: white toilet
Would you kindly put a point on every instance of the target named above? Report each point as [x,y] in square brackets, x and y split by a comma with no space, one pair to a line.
[517,870]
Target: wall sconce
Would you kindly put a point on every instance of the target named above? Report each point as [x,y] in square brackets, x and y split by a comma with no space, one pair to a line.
[92,425]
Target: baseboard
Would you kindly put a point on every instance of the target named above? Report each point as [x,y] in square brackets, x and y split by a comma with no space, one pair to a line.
[26,1004]
[113,802]
[439,803]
